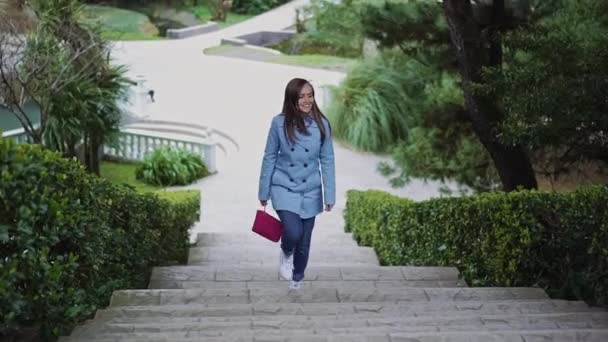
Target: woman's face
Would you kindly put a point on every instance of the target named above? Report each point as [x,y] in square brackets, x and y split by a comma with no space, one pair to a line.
[306,99]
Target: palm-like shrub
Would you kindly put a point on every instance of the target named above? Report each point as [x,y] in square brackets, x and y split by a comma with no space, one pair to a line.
[170,166]
[381,99]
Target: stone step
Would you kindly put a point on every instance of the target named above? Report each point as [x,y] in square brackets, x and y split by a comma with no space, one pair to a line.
[313,273]
[227,327]
[267,263]
[290,320]
[319,295]
[252,239]
[270,256]
[316,284]
[413,309]
[553,335]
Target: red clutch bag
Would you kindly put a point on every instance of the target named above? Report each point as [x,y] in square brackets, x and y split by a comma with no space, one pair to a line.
[267,226]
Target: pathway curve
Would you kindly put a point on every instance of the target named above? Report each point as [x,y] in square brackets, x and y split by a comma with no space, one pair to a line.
[239,97]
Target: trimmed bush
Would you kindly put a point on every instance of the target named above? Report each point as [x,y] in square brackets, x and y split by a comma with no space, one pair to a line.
[558,241]
[68,238]
[170,166]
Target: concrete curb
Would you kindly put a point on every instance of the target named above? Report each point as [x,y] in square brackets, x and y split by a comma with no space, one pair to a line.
[192,30]
[260,38]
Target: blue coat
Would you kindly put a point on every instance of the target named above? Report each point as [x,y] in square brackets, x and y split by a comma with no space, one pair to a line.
[298,177]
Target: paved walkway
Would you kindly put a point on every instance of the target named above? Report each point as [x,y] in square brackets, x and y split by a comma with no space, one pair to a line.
[239,97]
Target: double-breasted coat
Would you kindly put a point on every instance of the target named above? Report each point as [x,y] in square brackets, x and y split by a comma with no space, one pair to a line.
[298,176]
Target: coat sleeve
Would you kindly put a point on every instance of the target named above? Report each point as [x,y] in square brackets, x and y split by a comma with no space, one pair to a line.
[268,162]
[328,171]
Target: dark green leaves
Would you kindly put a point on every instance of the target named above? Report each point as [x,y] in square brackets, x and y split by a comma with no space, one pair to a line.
[68,238]
[4,233]
[527,238]
[170,166]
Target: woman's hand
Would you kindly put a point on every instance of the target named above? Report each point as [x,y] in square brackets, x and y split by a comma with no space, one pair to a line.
[328,207]
[263,203]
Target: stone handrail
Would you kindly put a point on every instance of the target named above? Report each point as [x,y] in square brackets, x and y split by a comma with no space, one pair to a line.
[18,135]
[134,146]
[209,132]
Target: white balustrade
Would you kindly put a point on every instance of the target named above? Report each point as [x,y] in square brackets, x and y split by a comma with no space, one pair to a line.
[17,135]
[134,146]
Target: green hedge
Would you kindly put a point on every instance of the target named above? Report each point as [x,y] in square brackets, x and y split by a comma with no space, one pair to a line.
[68,238]
[528,238]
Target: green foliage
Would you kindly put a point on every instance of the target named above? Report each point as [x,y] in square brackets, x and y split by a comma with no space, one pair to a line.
[443,147]
[553,101]
[408,102]
[317,61]
[383,98]
[526,238]
[255,6]
[322,43]
[409,25]
[120,24]
[85,109]
[445,155]
[169,166]
[68,238]
[327,62]
[335,29]
[553,87]
[204,14]
[117,19]
[64,69]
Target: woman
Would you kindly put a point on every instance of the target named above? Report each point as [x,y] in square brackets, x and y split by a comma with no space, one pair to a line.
[298,175]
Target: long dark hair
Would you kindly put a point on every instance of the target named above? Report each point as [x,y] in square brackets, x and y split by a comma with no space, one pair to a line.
[294,118]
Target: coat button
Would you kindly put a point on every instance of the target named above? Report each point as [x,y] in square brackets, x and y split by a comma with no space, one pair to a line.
[293,149]
[291,165]
[291,179]
[304,181]
[306,150]
[305,165]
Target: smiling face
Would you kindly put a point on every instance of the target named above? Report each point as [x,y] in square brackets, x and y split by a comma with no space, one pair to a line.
[306,99]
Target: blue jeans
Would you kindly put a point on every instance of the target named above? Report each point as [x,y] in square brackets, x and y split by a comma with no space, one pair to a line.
[295,238]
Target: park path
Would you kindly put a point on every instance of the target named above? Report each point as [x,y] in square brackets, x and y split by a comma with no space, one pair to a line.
[239,97]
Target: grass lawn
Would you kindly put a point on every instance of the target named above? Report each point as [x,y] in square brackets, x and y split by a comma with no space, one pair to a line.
[317,61]
[312,61]
[121,24]
[203,13]
[124,173]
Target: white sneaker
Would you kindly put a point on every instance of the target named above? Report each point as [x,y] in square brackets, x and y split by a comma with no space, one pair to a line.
[285,265]
[295,285]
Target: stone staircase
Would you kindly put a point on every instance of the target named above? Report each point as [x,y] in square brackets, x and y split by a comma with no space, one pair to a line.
[231,291]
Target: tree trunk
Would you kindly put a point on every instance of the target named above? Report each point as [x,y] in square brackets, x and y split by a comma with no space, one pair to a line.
[497,22]
[512,162]
[92,154]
